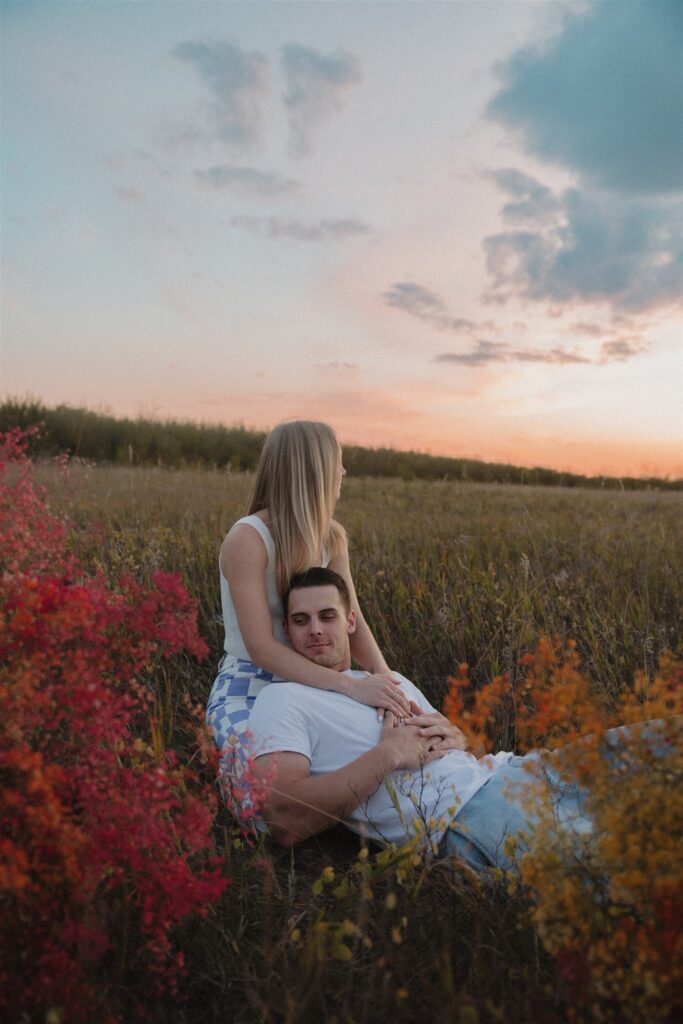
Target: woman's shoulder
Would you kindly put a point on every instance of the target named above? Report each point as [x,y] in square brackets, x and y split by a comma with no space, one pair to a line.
[257,520]
[246,545]
[247,531]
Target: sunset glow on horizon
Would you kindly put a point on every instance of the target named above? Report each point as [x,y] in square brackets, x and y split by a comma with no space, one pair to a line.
[444,227]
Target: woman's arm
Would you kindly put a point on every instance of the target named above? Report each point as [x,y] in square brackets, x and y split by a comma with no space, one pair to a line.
[243,562]
[364,647]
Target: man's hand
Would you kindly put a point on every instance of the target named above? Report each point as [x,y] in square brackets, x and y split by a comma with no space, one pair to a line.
[441,734]
[406,748]
[297,804]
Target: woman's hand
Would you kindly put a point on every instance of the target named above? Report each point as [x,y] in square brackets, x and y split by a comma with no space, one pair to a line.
[437,729]
[382,692]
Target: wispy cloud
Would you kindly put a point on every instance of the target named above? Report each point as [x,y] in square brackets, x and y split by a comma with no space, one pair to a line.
[579,247]
[237,81]
[621,349]
[429,307]
[590,329]
[604,98]
[247,181]
[302,231]
[561,356]
[336,368]
[413,298]
[486,352]
[315,83]
[531,201]
[483,352]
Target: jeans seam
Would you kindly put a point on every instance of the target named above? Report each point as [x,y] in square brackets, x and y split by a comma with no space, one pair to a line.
[470,838]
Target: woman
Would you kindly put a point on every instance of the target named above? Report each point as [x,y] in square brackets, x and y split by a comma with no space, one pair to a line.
[288,528]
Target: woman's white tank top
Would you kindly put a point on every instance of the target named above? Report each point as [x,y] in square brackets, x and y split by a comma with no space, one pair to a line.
[234,644]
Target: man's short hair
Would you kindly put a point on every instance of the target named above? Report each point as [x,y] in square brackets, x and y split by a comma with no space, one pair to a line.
[318,576]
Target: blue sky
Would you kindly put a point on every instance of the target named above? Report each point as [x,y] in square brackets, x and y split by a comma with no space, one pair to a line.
[452,227]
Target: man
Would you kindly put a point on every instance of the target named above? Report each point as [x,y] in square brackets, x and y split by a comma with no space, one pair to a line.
[323,757]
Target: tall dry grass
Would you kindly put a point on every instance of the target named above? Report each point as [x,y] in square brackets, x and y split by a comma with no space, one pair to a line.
[445,573]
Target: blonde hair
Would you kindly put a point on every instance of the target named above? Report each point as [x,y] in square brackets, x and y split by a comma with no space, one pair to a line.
[296,480]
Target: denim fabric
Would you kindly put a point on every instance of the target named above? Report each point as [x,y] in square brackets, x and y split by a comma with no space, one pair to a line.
[501,807]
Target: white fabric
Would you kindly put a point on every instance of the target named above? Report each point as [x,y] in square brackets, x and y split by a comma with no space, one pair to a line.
[332,730]
[234,644]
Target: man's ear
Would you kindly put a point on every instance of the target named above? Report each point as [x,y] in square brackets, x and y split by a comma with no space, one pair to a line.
[351,622]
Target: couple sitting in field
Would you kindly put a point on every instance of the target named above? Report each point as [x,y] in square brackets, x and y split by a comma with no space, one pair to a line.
[325,743]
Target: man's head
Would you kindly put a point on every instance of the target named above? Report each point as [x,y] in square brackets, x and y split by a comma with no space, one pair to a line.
[319,617]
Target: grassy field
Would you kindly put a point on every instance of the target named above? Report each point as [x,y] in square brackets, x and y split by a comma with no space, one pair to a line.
[446,573]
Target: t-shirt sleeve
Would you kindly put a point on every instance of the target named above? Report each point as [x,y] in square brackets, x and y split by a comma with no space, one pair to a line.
[278,722]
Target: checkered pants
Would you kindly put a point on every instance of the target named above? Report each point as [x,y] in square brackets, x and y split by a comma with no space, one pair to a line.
[227,714]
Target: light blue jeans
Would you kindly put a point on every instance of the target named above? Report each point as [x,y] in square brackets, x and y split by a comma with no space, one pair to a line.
[501,808]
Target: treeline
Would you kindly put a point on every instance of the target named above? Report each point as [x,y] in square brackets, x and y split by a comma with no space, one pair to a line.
[98,437]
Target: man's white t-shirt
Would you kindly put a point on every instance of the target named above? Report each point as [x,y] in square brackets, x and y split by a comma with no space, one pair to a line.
[331,730]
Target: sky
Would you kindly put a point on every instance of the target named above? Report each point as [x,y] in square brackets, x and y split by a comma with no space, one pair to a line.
[450,227]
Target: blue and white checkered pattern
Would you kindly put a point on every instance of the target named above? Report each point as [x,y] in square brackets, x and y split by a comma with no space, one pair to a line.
[232,697]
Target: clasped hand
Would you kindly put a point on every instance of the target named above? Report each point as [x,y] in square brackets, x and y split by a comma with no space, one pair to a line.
[437,729]
[423,738]
[385,694]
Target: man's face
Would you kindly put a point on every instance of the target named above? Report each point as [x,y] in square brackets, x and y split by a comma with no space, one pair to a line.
[319,627]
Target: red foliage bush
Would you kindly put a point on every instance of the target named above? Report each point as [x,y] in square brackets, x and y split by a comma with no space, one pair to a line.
[106,839]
